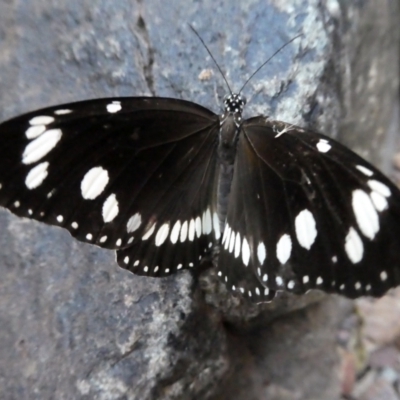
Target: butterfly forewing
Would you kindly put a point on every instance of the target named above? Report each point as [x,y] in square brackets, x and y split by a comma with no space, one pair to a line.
[120,173]
[318,215]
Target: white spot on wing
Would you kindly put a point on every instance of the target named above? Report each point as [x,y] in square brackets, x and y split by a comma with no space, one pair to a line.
[192,230]
[74,225]
[41,120]
[207,222]
[306,230]
[110,208]
[366,216]
[306,279]
[261,253]
[134,223]
[175,232]
[379,187]
[60,218]
[225,233]
[184,232]
[228,235]
[89,236]
[149,232]
[383,275]
[94,182]
[41,146]
[198,226]
[237,245]
[118,242]
[34,131]
[36,175]
[323,146]
[62,111]
[217,229]
[114,107]
[379,201]
[245,252]
[284,248]
[354,246]
[364,170]
[103,239]
[162,234]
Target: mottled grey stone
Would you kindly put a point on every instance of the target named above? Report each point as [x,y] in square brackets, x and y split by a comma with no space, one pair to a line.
[74,325]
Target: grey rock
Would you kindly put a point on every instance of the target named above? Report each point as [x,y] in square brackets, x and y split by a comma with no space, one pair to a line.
[72,324]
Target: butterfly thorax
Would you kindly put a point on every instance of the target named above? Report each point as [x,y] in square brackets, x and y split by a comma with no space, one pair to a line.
[230,122]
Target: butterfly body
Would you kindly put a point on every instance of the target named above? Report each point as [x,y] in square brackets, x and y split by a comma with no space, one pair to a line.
[165,182]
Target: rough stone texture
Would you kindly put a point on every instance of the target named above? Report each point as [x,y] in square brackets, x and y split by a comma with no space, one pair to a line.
[74,325]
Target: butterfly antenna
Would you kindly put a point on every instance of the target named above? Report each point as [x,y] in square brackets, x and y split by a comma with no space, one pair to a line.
[209,52]
[268,60]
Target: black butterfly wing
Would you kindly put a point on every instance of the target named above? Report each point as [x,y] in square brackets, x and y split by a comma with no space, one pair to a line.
[310,214]
[132,174]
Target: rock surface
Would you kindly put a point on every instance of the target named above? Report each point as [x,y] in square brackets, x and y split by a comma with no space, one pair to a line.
[74,325]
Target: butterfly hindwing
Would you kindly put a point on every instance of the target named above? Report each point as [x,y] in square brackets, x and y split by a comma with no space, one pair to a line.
[317,215]
[120,173]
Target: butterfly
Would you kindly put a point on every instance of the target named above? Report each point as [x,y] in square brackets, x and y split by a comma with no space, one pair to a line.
[168,184]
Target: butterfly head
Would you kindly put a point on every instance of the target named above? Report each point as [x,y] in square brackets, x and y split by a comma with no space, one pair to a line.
[234,103]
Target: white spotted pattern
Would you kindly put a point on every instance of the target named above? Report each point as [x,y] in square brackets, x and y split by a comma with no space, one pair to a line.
[41,146]
[245,252]
[284,248]
[364,170]
[74,225]
[207,222]
[261,253]
[354,246]
[217,229]
[114,107]
[89,236]
[366,215]
[110,208]
[198,226]
[162,234]
[323,146]
[184,232]
[383,275]
[94,183]
[380,203]
[238,244]
[62,111]
[133,223]
[379,187]
[192,230]
[149,232]
[118,242]
[60,218]
[41,120]
[175,232]
[103,239]
[34,131]
[36,175]
[306,230]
